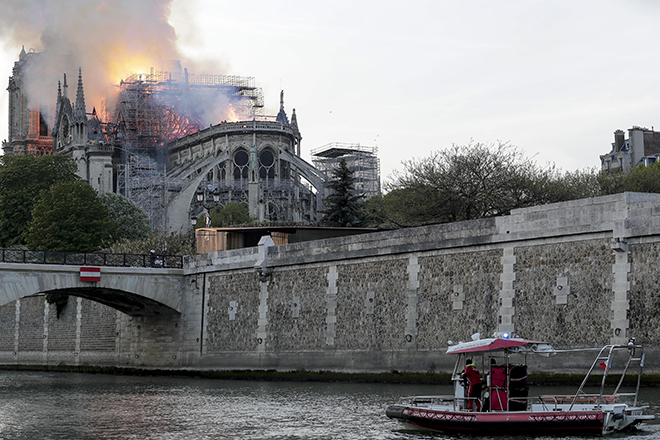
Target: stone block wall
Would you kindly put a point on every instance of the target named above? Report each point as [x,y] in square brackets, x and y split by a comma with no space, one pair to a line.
[580,273]
[564,292]
[84,333]
[297,310]
[31,325]
[98,327]
[232,312]
[8,323]
[458,296]
[61,332]
[371,301]
[644,297]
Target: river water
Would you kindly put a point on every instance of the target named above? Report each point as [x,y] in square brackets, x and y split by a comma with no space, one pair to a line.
[45,405]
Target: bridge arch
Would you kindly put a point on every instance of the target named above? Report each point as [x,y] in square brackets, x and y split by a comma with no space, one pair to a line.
[134,291]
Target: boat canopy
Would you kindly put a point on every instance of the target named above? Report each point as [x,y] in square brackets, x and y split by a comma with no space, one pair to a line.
[516,345]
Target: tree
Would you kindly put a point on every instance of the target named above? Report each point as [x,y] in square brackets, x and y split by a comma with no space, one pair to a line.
[578,184]
[477,181]
[233,214]
[164,243]
[70,217]
[342,206]
[22,178]
[132,220]
[643,179]
[612,182]
[406,207]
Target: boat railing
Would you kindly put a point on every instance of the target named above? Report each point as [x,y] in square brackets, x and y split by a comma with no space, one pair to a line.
[556,401]
[584,398]
[549,402]
[604,360]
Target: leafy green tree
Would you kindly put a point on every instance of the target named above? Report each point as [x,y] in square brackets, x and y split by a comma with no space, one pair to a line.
[22,178]
[611,182]
[70,217]
[233,214]
[374,214]
[342,206]
[405,207]
[132,220]
[643,179]
[570,185]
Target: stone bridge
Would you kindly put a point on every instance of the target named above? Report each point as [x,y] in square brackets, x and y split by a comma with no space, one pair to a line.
[135,291]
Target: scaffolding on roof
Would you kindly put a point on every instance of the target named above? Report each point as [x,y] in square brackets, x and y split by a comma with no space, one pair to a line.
[361,160]
[160,106]
[242,87]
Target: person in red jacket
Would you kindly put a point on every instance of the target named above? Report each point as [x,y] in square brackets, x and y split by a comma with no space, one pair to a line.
[471,375]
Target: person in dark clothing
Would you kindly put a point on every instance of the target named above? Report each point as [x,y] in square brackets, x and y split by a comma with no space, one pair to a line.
[472,376]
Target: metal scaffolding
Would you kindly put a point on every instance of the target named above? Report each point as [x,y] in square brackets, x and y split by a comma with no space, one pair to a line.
[159,107]
[361,160]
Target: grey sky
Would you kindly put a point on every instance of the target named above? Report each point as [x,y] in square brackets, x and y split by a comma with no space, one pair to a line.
[555,78]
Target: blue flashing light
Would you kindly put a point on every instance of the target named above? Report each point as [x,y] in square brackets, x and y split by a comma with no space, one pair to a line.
[505,335]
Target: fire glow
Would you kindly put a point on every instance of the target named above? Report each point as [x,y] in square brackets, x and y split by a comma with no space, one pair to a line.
[111,40]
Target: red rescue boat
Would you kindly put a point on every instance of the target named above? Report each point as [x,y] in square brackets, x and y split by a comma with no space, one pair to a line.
[502,405]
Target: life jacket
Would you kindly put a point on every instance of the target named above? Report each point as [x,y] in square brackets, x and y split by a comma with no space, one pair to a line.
[472,374]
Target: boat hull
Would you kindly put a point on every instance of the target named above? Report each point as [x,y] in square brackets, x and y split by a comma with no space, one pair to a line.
[501,423]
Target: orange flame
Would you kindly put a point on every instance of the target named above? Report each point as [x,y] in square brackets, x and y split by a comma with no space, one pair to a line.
[125,63]
[232,114]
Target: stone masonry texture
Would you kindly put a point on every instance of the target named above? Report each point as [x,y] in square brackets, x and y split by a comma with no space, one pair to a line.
[235,330]
[31,330]
[584,320]
[477,274]
[306,290]
[8,323]
[383,329]
[644,313]
[98,327]
[62,330]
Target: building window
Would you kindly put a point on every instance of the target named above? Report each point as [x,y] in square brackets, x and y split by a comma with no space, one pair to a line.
[241,159]
[266,164]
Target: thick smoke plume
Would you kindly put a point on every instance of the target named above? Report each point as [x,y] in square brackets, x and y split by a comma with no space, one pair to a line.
[108,39]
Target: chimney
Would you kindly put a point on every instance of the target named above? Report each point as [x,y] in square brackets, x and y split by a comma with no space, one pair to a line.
[619,137]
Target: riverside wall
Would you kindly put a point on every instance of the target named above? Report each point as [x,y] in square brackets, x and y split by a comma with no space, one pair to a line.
[577,274]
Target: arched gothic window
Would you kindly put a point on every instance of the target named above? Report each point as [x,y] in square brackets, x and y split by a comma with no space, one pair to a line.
[241,160]
[266,164]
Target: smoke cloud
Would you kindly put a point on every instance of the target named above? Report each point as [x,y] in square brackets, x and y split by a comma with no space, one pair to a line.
[108,39]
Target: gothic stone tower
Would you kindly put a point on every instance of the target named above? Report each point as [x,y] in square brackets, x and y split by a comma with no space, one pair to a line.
[82,138]
[30,104]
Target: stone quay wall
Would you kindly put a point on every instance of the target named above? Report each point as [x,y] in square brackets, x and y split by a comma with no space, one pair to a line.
[582,273]
[578,274]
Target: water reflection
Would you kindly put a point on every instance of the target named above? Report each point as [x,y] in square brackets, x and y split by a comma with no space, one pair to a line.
[78,406]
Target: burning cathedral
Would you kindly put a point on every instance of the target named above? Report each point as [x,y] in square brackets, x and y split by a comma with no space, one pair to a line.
[157,147]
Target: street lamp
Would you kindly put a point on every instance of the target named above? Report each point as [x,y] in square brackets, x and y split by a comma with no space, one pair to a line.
[201,194]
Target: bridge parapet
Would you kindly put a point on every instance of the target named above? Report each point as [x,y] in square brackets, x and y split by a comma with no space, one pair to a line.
[91,259]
